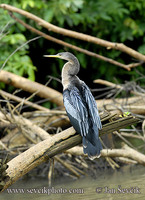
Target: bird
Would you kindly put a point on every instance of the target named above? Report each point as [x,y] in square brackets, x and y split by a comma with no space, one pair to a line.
[80,105]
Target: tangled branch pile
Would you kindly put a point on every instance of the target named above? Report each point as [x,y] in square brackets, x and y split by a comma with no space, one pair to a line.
[34,135]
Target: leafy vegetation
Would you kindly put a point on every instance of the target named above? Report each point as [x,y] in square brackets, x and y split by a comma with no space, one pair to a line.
[116,21]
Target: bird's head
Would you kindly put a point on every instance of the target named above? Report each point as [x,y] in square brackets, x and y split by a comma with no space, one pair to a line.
[64,55]
[71,67]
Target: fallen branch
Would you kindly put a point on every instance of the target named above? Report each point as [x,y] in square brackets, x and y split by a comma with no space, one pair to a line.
[131,135]
[126,160]
[134,109]
[20,100]
[39,153]
[111,105]
[107,83]
[132,104]
[56,97]
[68,166]
[123,101]
[125,152]
[34,130]
[107,128]
[50,147]
[32,87]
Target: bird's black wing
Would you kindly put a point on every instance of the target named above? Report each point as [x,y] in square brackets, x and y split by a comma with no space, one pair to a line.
[92,105]
[76,109]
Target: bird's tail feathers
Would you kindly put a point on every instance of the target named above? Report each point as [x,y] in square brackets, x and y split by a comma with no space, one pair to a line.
[93,151]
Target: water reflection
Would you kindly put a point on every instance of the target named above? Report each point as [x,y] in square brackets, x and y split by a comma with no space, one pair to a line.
[127,183]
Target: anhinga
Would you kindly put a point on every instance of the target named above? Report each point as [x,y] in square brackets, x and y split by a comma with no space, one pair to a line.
[80,105]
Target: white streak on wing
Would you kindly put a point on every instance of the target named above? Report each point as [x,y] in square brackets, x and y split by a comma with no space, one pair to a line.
[92,106]
[70,109]
[74,113]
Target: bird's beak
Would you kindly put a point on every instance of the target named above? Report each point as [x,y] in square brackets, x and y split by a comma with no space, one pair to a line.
[53,56]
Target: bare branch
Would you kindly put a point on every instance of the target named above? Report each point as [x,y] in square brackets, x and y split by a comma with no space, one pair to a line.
[81,36]
[32,87]
[18,99]
[107,83]
[131,135]
[52,39]
[135,104]
[74,34]
[125,152]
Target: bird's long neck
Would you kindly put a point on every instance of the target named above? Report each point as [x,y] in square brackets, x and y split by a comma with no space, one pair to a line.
[69,72]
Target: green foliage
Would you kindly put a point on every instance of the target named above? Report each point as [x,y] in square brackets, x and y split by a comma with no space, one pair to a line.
[113,20]
[12,37]
[19,63]
[47,104]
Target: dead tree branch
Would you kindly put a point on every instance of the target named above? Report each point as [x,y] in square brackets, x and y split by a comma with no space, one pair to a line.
[33,129]
[50,147]
[127,101]
[125,152]
[18,99]
[56,97]
[52,39]
[39,153]
[81,36]
[107,83]
[32,87]
[74,34]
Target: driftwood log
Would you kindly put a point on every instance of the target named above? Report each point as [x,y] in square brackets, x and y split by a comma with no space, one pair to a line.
[32,87]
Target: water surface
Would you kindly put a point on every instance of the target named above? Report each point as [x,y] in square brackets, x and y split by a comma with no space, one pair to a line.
[127,183]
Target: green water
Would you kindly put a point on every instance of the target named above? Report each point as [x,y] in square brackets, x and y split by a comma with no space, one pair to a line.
[127,183]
